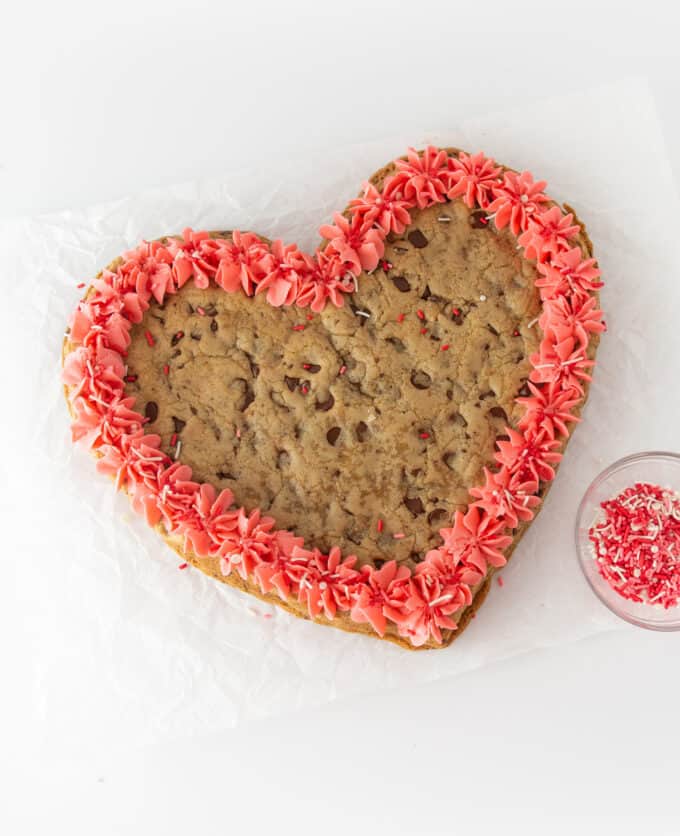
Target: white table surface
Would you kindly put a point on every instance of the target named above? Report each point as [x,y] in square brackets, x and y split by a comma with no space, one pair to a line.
[101,100]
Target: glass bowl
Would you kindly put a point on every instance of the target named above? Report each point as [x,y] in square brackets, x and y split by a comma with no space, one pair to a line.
[656,467]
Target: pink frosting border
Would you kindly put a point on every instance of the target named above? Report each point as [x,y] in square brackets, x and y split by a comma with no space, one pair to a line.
[420,603]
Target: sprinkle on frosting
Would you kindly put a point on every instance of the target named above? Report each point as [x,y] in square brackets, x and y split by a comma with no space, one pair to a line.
[418,604]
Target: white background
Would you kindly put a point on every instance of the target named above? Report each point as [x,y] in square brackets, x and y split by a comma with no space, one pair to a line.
[100,101]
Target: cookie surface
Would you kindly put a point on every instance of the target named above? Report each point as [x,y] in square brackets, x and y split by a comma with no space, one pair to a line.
[371,427]
[399,436]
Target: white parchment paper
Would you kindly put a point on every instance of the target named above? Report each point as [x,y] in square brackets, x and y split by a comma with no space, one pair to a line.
[108,644]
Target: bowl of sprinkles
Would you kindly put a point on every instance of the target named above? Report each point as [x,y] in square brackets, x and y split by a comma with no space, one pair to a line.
[628,539]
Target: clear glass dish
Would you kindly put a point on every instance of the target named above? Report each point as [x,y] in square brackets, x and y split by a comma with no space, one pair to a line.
[657,467]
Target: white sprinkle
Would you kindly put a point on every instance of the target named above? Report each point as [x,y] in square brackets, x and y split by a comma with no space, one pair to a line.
[532,323]
[444,219]
[482,298]
[362,313]
[178,449]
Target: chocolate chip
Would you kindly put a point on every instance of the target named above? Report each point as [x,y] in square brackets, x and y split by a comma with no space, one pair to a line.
[493,330]
[312,368]
[193,410]
[414,505]
[177,337]
[428,296]
[378,562]
[177,353]
[196,336]
[437,515]
[457,317]
[478,219]
[421,380]
[401,283]
[361,431]
[332,435]
[179,424]
[151,411]
[214,326]
[417,238]
[498,412]
[449,459]
[248,395]
[292,382]
[325,405]
[210,310]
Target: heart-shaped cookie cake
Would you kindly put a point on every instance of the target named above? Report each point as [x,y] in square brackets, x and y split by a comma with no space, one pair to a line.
[363,434]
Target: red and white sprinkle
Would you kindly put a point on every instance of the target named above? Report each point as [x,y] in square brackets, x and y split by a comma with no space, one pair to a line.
[636,544]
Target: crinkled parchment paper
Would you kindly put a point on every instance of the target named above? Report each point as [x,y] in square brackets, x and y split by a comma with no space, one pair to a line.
[106,641]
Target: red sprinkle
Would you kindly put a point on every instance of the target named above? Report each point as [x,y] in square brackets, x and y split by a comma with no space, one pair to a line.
[149,338]
[424,435]
[183,565]
[636,544]
[166,370]
[306,365]
[343,369]
[173,440]
[80,285]
[130,378]
[380,526]
[304,389]
[400,318]
[386,265]
[499,580]
[515,333]
[298,327]
[456,311]
[423,330]
[310,317]
[200,311]
[445,347]
[420,314]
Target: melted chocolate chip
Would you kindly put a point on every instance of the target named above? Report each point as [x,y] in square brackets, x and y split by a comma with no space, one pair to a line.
[151,411]
[478,219]
[437,515]
[414,505]
[332,435]
[417,238]
[178,424]
[325,405]
[421,380]
[214,326]
[401,283]
[448,459]
[498,412]
[291,382]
